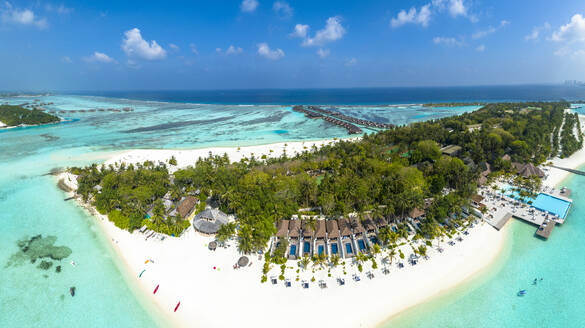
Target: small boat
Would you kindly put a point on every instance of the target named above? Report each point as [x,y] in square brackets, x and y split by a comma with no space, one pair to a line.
[522,292]
[176,307]
[140,275]
[156,289]
[72,291]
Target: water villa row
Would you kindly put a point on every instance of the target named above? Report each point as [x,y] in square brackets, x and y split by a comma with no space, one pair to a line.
[352,119]
[93,110]
[341,237]
[352,129]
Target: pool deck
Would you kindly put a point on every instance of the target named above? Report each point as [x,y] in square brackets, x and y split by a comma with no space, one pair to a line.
[502,208]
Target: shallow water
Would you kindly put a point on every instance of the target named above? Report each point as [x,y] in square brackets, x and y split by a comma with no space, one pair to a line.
[31,203]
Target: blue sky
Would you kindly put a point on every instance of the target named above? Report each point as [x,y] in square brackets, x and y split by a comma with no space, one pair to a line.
[136,45]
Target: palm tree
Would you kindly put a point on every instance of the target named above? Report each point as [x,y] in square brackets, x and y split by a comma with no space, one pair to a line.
[305,262]
[391,254]
[334,260]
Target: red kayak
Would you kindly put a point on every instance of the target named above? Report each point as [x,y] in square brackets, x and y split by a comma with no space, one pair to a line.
[155,289]
[176,307]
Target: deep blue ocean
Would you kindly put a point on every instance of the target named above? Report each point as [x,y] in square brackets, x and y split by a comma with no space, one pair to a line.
[357,96]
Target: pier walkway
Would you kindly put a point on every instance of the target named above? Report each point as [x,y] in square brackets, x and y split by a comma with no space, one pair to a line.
[569,170]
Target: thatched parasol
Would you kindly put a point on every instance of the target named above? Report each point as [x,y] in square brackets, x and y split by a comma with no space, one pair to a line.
[243,261]
[212,245]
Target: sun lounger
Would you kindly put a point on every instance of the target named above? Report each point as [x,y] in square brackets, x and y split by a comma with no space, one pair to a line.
[287,283]
[273,280]
[356,277]
[305,285]
[341,281]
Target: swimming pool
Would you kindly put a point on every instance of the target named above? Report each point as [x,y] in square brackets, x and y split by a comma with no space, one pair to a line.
[543,202]
[348,248]
[361,244]
[321,250]
[334,249]
[293,249]
[306,247]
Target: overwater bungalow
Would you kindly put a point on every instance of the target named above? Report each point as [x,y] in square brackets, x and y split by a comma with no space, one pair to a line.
[346,238]
[359,234]
[320,236]
[294,233]
[333,238]
[308,235]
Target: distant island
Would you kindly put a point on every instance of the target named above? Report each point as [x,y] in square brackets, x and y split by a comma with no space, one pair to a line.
[11,116]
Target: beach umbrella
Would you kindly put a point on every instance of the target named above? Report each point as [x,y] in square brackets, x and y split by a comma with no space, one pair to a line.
[212,246]
[243,261]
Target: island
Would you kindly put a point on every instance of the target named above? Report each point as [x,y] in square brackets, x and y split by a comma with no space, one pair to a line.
[331,215]
[12,116]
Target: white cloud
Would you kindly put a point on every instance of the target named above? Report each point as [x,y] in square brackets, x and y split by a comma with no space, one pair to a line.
[99,57]
[457,7]
[66,59]
[448,41]
[282,9]
[265,51]
[193,48]
[174,47]
[323,52]
[300,31]
[489,30]
[480,48]
[535,33]
[332,31]
[12,15]
[135,46]
[60,9]
[231,50]
[249,6]
[572,31]
[351,62]
[413,16]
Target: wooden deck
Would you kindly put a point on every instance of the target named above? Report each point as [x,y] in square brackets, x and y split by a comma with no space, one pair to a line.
[545,229]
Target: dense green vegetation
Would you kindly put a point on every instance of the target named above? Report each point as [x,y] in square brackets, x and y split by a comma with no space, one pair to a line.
[386,174]
[453,104]
[17,115]
[569,142]
[128,192]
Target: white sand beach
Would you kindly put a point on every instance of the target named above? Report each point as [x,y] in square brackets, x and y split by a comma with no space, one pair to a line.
[213,294]
[556,176]
[2,124]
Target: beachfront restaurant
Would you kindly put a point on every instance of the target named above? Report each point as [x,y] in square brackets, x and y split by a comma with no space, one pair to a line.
[333,238]
[209,221]
[294,233]
[346,238]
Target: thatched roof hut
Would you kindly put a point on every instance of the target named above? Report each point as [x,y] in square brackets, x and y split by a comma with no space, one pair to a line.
[380,222]
[308,230]
[332,229]
[186,206]
[294,228]
[368,224]
[416,213]
[344,229]
[282,228]
[321,230]
[243,261]
[357,226]
[210,220]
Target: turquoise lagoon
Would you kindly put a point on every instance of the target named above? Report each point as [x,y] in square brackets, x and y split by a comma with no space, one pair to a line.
[31,204]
